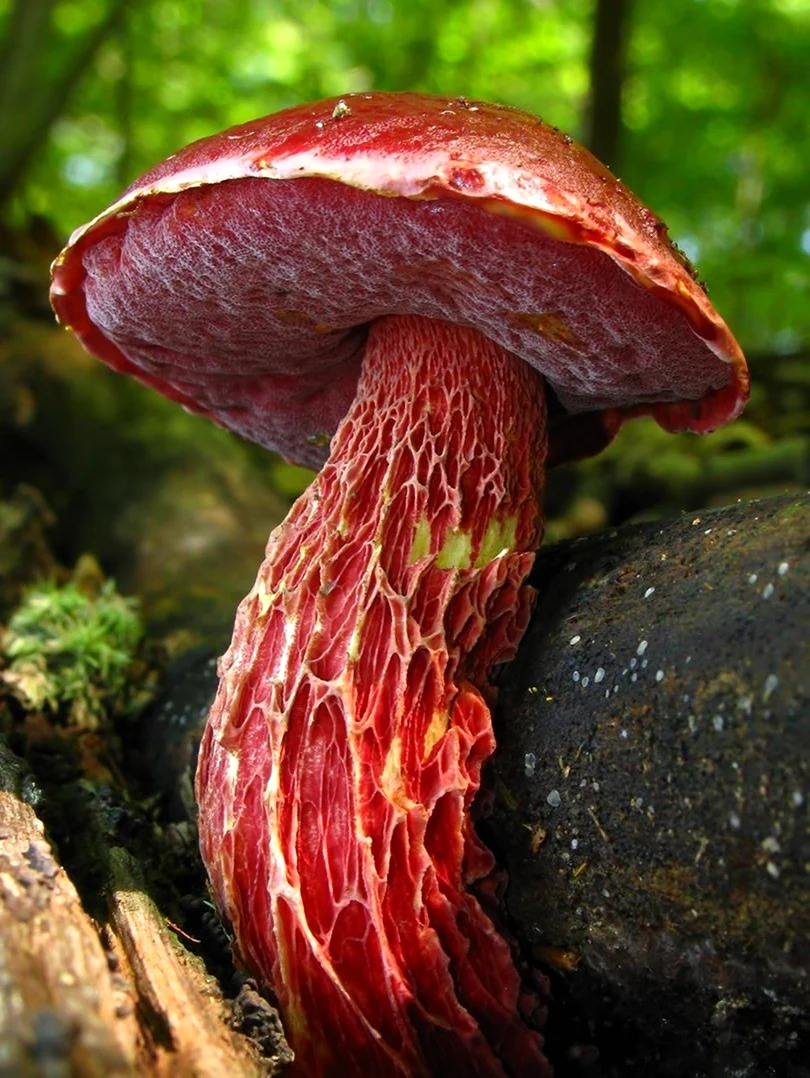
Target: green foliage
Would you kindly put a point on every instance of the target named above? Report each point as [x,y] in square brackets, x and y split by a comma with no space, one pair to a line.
[176,70]
[715,106]
[290,480]
[714,138]
[67,650]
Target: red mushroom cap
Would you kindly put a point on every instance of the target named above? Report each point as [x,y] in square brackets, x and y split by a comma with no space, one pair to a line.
[249,301]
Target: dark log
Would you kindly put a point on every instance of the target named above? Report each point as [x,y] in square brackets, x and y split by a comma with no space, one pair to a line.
[650,795]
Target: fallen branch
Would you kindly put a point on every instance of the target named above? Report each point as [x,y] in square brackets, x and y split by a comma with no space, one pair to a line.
[127,1000]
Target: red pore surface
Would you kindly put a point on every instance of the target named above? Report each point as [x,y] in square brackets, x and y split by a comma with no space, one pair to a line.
[346,742]
[241,275]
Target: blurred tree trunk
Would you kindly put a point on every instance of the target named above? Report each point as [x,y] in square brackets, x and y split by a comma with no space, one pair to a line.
[607,64]
[125,101]
[32,94]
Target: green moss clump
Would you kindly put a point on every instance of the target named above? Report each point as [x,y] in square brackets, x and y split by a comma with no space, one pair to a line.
[69,651]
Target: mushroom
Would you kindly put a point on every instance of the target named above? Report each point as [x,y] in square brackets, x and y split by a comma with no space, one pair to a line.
[418,294]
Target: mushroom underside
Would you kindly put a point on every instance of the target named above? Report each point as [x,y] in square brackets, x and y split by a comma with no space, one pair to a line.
[229,295]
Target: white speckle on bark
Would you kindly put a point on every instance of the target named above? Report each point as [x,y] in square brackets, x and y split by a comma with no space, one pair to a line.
[771,681]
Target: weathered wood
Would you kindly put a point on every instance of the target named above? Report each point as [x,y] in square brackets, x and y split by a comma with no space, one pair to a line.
[88,1002]
[59,1000]
[651,794]
[179,1004]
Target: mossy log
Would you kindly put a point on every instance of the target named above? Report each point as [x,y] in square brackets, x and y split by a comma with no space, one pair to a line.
[648,799]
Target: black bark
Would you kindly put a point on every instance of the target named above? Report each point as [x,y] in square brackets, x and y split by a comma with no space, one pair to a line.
[650,795]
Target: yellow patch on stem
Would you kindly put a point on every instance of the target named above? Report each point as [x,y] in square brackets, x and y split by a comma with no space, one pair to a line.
[456,550]
[391,782]
[231,780]
[435,732]
[264,599]
[499,539]
[420,547]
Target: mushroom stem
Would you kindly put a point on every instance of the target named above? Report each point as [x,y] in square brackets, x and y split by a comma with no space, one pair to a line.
[345,745]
